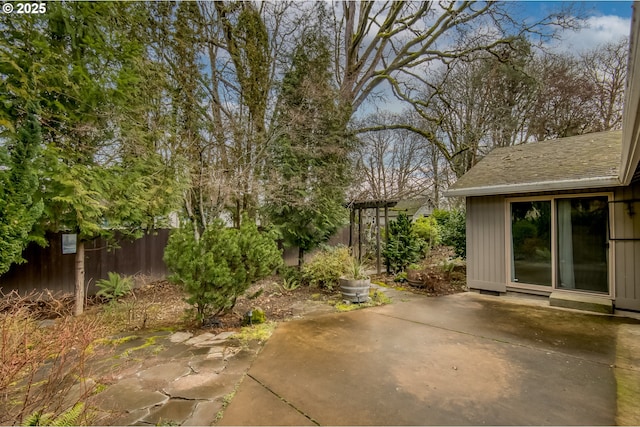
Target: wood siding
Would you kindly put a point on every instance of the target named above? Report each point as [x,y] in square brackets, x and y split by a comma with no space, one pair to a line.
[486,269]
[626,225]
[486,244]
[48,268]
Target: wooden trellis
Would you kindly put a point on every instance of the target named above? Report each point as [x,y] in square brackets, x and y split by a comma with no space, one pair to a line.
[359,206]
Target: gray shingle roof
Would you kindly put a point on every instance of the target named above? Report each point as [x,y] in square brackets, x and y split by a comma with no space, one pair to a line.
[584,161]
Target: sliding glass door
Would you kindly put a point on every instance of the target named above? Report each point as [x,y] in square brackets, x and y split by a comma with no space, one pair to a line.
[583,244]
[560,243]
[531,242]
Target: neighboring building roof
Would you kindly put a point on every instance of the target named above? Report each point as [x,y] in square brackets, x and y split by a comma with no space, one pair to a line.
[583,161]
[424,210]
[412,206]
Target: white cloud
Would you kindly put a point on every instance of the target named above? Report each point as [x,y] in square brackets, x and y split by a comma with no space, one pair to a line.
[597,30]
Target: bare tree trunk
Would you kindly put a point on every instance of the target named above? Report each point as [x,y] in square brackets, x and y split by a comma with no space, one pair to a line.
[79,303]
[377,240]
[300,257]
[436,177]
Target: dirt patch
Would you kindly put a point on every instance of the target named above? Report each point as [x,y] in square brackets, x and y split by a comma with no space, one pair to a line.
[440,283]
[162,304]
[278,304]
[440,273]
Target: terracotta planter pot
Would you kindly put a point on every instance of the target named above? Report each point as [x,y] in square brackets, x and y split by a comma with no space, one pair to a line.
[355,290]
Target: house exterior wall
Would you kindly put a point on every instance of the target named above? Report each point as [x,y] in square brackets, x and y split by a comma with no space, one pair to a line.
[626,225]
[486,243]
[486,257]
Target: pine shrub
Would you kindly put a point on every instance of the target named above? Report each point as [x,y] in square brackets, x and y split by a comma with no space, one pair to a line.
[221,265]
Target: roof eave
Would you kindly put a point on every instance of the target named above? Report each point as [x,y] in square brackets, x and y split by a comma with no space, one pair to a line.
[631,118]
[533,187]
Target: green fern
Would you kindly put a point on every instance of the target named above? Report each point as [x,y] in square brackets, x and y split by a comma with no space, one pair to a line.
[36,419]
[290,284]
[114,287]
[70,417]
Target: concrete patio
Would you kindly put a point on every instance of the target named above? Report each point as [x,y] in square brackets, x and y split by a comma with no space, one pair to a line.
[464,359]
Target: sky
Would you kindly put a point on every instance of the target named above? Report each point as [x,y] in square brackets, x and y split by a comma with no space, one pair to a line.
[606,21]
[618,8]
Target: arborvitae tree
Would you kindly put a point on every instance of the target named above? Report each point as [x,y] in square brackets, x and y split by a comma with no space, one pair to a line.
[309,161]
[403,245]
[20,206]
[83,65]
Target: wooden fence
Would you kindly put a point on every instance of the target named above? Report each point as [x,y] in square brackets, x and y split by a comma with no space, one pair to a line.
[49,268]
[290,255]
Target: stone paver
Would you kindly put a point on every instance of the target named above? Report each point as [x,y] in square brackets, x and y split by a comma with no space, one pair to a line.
[167,377]
[172,413]
[200,387]
[220,352]
[225,335]
[207,366]
[180,336]
[129,395]
[126,418]
[204,413]
[208,339]
[171,379]
[167,371]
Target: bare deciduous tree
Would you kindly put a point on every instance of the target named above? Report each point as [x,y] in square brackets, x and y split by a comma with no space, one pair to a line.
[606,68]
[395,164]
[222,61]
[393,41]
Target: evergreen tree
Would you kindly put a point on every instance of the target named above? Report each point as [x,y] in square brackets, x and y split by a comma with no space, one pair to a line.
[310,167]
[20,206]
[403,245]
[84,65]
[221,264]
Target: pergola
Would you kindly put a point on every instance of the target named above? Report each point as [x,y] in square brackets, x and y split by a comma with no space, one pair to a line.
[359,206]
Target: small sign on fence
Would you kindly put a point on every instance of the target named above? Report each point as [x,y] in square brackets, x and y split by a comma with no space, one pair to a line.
[69,242]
